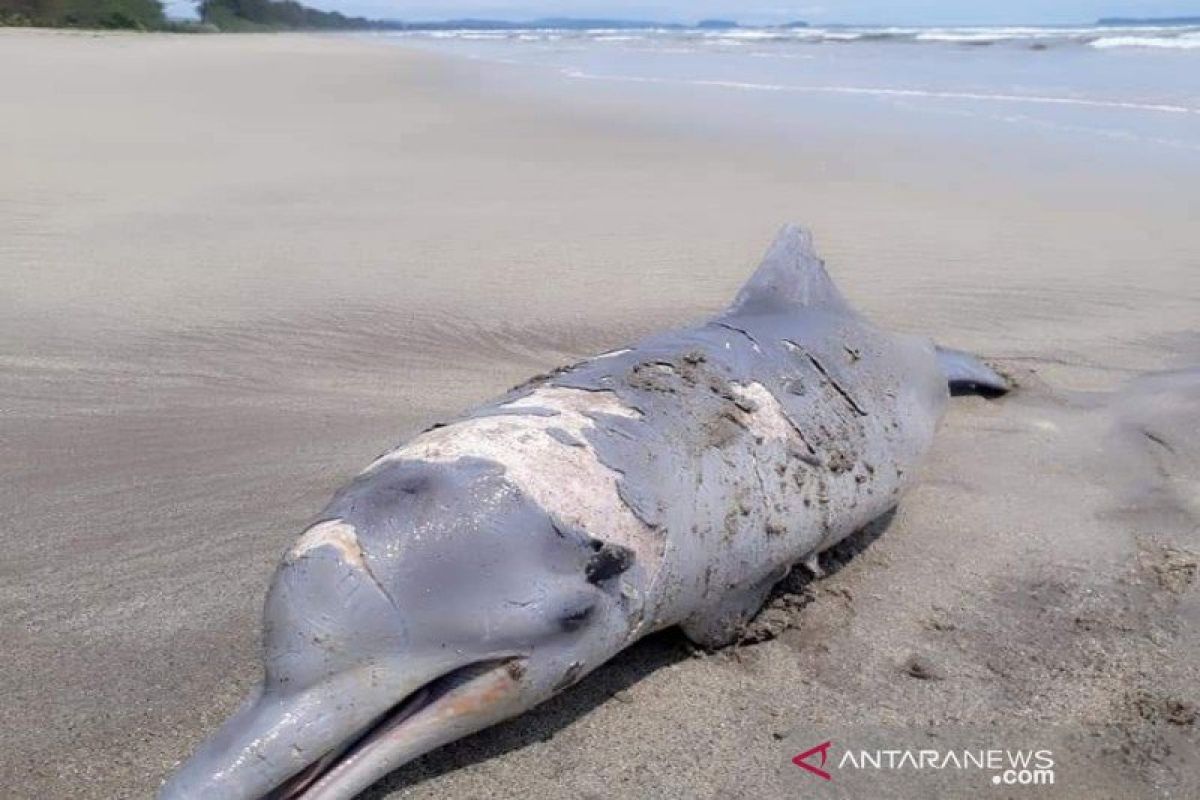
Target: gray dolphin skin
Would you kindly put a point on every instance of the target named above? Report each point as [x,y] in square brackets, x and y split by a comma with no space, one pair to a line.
[488,564]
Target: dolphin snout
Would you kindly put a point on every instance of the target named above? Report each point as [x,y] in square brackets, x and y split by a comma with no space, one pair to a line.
[270,739]
[331,742]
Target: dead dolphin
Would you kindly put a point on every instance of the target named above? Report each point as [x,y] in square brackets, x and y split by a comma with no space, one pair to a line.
[487,564]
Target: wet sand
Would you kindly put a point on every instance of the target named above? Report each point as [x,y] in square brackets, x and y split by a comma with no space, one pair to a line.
[237,268]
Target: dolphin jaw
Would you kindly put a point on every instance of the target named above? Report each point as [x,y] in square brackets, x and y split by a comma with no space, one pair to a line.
[395,737]
[256,762]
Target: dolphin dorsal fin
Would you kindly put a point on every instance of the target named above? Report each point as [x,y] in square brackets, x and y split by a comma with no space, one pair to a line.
[790,276]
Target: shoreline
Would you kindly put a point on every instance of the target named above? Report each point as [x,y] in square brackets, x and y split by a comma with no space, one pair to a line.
[240,267]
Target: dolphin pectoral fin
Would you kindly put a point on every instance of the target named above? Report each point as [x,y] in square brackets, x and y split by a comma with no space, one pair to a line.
[967,374]
[721,622]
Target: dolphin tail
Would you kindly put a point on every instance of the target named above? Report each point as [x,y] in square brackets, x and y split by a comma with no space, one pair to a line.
[967,374]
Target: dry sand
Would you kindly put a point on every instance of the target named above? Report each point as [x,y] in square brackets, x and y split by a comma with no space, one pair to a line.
[237,268]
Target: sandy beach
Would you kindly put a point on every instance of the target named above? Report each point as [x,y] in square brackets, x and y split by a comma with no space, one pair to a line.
[237,268]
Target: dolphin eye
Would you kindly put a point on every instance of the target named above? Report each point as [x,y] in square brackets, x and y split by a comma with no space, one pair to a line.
[607,561]
[574,618]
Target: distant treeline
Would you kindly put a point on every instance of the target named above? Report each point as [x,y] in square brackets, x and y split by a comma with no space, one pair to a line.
[224,15]
[282,15]
[256,15]
[136,14]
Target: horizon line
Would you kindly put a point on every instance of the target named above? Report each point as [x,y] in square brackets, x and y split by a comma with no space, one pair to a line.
[812,23]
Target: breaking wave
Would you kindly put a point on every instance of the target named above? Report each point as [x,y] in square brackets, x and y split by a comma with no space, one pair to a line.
[1100,37]
[1189,41]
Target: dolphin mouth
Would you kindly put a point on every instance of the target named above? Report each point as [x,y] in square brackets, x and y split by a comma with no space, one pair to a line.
[446,696]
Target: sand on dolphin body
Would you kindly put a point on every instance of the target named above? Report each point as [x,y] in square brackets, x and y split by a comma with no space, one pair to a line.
[238,268]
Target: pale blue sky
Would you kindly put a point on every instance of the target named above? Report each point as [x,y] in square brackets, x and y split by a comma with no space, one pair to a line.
[853,11]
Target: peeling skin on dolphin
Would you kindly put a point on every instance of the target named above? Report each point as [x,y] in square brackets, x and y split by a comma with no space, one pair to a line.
[768,419]
[333,533]
[568,481]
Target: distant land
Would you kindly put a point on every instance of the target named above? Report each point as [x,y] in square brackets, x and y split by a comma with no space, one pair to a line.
[572,24]
[545,23]
[128,14]
[282,15]
[276,15]
[1131,21]
[148,15]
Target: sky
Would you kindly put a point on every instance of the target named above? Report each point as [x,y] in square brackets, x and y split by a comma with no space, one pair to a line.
[907,12]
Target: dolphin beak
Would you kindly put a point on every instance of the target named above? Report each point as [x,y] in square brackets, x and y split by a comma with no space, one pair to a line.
[333,741]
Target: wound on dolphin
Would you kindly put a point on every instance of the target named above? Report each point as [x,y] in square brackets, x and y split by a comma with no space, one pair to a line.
[495,560]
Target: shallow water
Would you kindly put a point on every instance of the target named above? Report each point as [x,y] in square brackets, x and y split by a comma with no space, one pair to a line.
[1138,88]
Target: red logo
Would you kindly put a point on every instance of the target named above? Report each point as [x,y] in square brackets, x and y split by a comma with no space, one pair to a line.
[823,749]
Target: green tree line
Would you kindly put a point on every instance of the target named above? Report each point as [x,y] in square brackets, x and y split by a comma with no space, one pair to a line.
[234,15]
[137,14]
[225,15]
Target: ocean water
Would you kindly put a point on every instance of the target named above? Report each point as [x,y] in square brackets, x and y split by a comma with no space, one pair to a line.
[1129,93]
